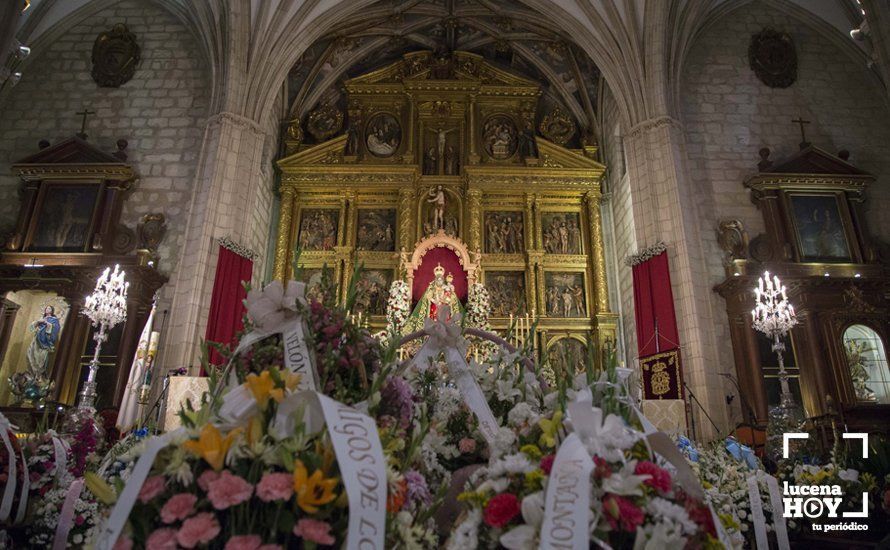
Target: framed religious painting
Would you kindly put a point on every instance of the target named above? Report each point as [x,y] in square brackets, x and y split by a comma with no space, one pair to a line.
[372,291]
[561,232]
[504,233]
[507,292]
[564,294]
[64,218]
[320,284]
[376,229]
[319,229]
[567,356]
[820,225]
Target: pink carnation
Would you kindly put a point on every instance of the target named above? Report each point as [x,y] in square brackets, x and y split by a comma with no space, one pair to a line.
[178,507]
[161,539]
[275,486]
[623,512]
[152,487]
[547,463]
[467,445]
[660,479]
[315,531]
[196,530]
[206,478]
[123,543]
[244,542]
[228,490]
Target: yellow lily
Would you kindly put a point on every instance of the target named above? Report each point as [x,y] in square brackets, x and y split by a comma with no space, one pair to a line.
[100,488]
[292,380]
[549,428]
[312,491]
[212,446]
[263,387]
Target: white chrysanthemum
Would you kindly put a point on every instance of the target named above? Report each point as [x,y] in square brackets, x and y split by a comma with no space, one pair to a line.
[673,513]
[466,534]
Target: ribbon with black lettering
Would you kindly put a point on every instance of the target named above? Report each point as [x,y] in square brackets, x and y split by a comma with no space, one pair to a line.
[567,503]
[775,499]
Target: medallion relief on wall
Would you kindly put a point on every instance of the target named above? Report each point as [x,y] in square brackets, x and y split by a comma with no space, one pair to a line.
[773,58]
[500,137]
[383,136]
[115,57]
[503,232]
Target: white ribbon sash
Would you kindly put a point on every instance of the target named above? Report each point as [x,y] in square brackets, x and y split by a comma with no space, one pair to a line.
[125,501]
[567,504]
[445,337]
[777,503]
[757,514]
[60,541]
[60,454]
[11,481]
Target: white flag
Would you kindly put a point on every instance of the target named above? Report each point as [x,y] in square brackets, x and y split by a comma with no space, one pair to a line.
[131,411]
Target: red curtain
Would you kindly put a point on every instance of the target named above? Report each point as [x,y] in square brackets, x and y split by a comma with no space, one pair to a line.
[450,262]
[654,306]
[227,302]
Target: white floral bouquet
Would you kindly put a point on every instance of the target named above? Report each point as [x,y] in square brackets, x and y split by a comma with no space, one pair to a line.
[398,306]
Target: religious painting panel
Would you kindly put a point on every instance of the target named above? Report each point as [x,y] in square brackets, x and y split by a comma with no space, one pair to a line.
[819,227]
[319,286]
[500,137]
[507,292]
[376,230]
[567,356]
[561,232]
[383,135]
[564,294]
[441,151]
[318,229]
[504,233]
[25,374]
[63,220]
[372,290]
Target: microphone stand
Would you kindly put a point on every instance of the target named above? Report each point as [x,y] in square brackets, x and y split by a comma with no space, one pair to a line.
[703,410]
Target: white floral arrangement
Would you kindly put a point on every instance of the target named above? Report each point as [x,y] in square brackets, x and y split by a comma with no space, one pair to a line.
[478,306]
[398,306]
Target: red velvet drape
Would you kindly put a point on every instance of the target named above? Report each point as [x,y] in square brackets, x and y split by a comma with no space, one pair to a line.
[654,306]
[227,302]
[450,262]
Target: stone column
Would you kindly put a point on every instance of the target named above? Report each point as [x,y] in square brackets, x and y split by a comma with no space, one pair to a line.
[232,197]
[474,200]
[283,245]
[664,206]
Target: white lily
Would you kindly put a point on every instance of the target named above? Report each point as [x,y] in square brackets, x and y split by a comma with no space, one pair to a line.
[625,482]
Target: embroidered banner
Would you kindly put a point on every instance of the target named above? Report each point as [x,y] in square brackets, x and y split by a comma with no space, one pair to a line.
[661,377]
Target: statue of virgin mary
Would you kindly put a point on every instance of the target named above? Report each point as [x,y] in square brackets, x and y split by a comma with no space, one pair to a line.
[439,292]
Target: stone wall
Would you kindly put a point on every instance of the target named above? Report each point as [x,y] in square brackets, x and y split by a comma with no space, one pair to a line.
[728,115]
[161,112]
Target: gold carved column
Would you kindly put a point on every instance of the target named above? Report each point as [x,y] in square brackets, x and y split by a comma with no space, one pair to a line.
[283,245]
[474,200]
[406,218]
[606,321]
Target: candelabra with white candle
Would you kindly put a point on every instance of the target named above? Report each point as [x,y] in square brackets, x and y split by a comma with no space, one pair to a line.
[106,307]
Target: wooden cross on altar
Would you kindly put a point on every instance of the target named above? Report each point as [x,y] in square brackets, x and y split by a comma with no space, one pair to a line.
[803,136]
[83,123]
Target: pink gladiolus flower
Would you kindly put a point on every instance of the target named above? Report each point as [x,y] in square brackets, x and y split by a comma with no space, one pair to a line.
[228,490]
[467,445]
[178,507]
[123,543]
[206,478]
[152,487]
[270,547]
[161,539]
[275,486]
[315,531]
[547,463]
[244,542]
[623,512]
[196,530]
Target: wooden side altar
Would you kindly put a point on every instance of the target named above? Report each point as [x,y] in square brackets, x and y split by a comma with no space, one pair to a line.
[448,145]
[67,233]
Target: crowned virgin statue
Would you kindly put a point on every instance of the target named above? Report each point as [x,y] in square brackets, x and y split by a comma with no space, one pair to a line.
[438,293]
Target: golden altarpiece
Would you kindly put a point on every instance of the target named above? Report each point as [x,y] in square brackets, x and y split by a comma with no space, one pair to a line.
[440,163]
